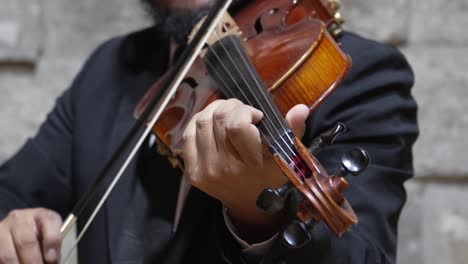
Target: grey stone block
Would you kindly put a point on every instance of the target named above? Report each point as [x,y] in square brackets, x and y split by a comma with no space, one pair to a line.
[72,31]
[439,22]
[441,90]
[26,98]
[75,28]
[21,31]
[385,21]
[445,224]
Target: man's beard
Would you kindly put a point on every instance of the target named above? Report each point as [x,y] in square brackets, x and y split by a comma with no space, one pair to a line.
[177,24]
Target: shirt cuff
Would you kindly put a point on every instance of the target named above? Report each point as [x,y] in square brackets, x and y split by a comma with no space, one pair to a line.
[258,249]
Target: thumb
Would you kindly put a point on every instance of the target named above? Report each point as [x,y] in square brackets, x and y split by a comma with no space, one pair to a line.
[296,118]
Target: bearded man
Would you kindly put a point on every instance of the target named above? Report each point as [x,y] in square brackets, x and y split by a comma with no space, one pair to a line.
[220,222]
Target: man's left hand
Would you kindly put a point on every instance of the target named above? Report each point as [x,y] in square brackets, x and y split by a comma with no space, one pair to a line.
[224,157]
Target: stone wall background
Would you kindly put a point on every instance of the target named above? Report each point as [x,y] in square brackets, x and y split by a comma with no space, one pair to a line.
[44,42]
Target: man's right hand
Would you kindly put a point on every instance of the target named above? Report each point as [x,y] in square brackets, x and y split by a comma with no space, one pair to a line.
[30,236]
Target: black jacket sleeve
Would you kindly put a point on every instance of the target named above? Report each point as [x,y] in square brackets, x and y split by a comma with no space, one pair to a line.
[375,103]
[40,173]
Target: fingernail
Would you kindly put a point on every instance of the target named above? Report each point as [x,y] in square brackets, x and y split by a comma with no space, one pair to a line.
[260,113]
[51,255]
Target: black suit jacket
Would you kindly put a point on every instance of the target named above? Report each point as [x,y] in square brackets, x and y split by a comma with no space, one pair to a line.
[54,168]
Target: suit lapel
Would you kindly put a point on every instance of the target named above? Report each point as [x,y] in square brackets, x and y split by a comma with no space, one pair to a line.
[192,205]
[132,89]
[144,64]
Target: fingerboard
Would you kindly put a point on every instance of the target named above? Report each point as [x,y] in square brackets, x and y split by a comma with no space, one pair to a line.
[229,65]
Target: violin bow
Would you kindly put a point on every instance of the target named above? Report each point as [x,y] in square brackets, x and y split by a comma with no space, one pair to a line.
[148,119]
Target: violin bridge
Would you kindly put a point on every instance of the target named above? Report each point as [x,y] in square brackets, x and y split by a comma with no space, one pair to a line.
[226,27]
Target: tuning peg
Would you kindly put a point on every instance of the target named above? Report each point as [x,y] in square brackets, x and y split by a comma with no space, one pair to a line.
[272,200]
[327,138]
[298,233]
[353,162]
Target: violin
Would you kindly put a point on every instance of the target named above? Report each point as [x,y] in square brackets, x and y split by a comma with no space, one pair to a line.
[272,55]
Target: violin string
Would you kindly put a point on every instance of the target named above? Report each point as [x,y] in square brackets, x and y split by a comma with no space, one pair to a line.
[263,92]
[253,94]
[258,101]
[231,90]
[264,137]
[260,88]
[251,90]
[235,83]
[290,161]
[232,93]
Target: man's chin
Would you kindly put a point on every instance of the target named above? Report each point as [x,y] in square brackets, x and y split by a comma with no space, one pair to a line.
[177,23]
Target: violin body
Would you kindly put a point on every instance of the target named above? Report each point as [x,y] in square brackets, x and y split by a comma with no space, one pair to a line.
[291,49]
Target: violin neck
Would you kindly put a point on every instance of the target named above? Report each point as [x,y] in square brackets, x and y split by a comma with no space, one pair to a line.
[231,68]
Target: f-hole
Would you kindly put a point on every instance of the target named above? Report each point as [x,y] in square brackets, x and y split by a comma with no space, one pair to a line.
[190,81]
[258,23]
[258,26]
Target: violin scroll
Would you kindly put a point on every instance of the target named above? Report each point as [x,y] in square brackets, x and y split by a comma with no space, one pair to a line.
[318,196]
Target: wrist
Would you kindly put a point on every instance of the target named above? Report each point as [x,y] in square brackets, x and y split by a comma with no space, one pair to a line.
[253,224]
